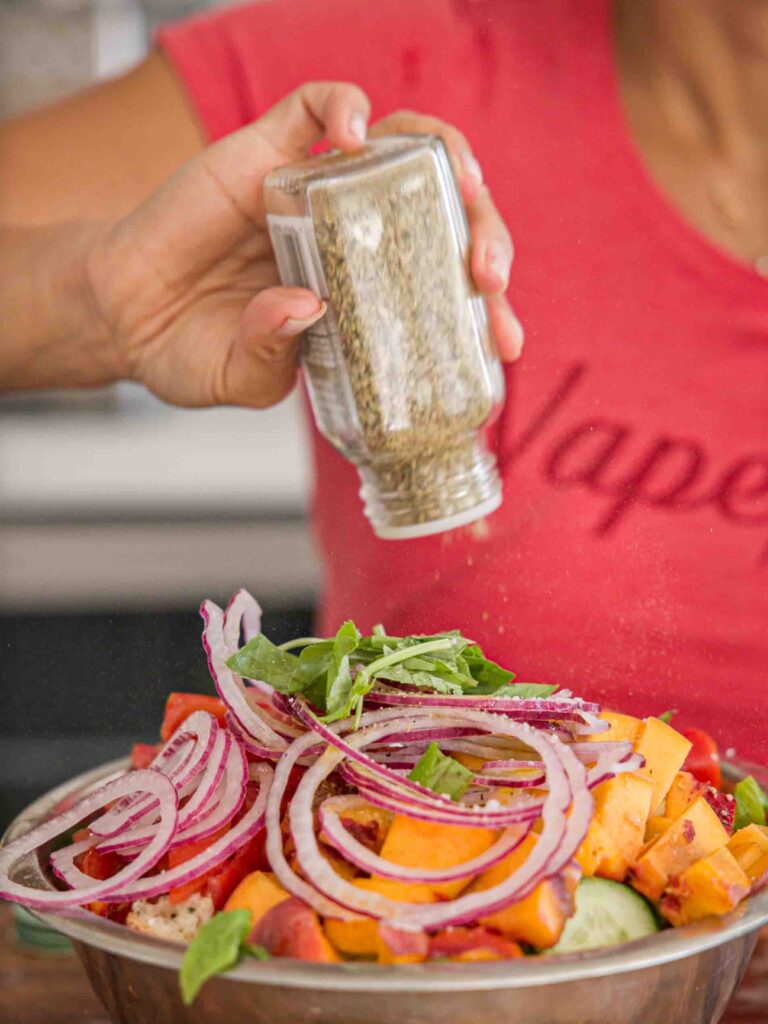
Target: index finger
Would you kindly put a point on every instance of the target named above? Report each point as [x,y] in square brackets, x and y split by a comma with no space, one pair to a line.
[338,111]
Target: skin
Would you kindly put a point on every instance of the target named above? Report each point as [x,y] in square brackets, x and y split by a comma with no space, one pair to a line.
[695,87]
[145,256]
[181,294]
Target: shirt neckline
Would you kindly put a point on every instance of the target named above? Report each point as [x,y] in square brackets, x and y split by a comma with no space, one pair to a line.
[657,209]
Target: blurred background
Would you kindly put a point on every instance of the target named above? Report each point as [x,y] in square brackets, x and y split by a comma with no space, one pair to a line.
[119,514]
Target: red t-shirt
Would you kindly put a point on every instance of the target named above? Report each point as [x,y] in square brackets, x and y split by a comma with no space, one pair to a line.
[630,557]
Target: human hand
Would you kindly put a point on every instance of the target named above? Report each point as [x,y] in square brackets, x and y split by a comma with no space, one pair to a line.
[187,287]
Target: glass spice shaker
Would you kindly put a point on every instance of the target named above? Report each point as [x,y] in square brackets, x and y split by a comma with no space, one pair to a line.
[402,372]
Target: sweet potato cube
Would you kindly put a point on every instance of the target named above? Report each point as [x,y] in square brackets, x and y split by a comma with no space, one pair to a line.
[713,885]
[657,823]
[360,938]
[750,848]
[695,834]
[540,917]
[257,893]
[665,751]
[622,727]
[617,831]
[353,938]
[415,843]
[683,791]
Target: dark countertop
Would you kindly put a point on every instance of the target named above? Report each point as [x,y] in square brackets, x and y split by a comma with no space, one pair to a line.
[52,988]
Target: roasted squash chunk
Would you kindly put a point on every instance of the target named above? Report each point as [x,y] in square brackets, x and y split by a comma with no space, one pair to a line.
[415,843]
[665,751]
[712,885]
[695,834]
[750,848]
[539,918]
[257,893]
[683,791]
[622,727]
[617,831]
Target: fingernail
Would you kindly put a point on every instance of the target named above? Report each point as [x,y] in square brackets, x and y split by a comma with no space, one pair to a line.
[471,166]
[358,126]
[498,260]
[291,326]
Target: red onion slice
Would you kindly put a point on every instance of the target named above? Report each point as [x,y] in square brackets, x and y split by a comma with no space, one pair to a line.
[146,780]
[230,772]
[249,825]
[199,729]
[335,835]
[242,615]
[228,685]
[536,708]
[549,855]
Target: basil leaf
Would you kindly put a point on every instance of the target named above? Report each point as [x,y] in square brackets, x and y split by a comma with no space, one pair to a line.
[261,659]
[419,678]
[214,949]
[440,773]
[258,952]
[751,803]
[312,668]
[667,716]
[339,675]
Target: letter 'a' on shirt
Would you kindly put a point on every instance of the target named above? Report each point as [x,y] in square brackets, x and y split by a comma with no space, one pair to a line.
[629,560]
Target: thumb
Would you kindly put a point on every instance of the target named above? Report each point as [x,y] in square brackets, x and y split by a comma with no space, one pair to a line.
[261,366]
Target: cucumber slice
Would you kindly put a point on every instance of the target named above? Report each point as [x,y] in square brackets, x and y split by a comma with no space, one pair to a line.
[607,913]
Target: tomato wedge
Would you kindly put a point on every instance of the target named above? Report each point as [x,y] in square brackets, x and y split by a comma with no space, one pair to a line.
[143,754]
[703,761]
[180,706]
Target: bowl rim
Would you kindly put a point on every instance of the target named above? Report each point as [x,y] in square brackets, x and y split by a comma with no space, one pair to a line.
[666,946]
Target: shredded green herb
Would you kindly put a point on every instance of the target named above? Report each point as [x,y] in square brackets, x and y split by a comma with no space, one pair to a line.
[334,675]
[440,773]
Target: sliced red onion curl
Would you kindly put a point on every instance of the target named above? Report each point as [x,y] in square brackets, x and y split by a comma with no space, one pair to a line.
[228,685]
[229,767]
[200,730]
[214,855]
[555,846]
[242,615]
[334,834]
[145,781]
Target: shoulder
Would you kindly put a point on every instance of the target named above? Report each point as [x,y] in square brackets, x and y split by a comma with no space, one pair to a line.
[236,62]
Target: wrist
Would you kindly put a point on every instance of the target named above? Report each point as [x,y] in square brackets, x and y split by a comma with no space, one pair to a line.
[100,356]
[52,332]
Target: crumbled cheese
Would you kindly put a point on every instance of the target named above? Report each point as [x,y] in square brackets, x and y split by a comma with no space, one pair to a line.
[175,921]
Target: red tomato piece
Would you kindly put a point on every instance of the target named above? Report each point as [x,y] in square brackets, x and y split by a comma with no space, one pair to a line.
[703,761]
[143,754]
[99,865]
[181,854]
[250,857]
[180,706]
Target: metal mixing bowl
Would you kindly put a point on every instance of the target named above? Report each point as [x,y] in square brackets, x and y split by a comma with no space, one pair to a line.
[681,976]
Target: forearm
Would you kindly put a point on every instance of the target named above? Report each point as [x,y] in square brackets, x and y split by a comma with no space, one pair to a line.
[51,332]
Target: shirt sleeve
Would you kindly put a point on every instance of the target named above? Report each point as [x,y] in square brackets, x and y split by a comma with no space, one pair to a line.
[236,62]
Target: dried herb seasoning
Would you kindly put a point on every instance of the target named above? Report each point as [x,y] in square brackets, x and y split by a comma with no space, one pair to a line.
[401,371]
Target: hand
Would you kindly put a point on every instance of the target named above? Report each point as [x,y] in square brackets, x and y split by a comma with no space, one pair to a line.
[187,287]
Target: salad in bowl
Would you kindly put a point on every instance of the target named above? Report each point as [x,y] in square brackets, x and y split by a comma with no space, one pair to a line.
[399,800]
